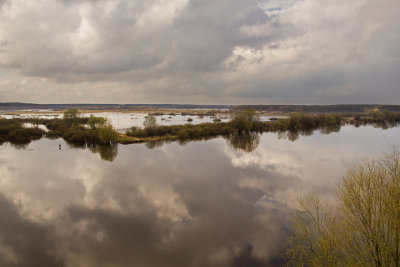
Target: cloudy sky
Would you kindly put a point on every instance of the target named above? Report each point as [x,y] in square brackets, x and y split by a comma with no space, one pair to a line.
[200,51]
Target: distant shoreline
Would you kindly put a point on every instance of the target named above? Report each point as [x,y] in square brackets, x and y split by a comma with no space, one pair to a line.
[153,108]
[156,112]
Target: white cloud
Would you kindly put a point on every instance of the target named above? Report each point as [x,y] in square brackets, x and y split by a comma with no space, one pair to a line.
[200,51]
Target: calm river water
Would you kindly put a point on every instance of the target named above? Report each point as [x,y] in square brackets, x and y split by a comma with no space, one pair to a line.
[203,203]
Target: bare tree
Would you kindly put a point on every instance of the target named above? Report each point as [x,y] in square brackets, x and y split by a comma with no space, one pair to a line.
[362,230]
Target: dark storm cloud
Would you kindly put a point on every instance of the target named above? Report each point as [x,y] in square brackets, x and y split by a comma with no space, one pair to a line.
[100,38]
[85,39]
[197,51]
[208,31]
[3,2]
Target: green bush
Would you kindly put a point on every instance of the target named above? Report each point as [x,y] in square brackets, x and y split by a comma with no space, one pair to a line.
[244,121]
[107,134]
[95,122]
[80,135]
[135,132]
[25,135]
[332,120]
[12,131]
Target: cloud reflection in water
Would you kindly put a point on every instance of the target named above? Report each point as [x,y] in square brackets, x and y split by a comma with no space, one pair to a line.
[201,204]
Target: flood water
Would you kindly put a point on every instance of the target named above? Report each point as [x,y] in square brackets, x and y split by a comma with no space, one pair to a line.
[220,202]
[121,121]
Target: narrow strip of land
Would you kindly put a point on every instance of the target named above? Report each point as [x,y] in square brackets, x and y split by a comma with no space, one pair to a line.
[96,130]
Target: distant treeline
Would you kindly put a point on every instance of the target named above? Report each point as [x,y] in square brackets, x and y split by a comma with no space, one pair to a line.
[320,109]
[7,106]
[282,109]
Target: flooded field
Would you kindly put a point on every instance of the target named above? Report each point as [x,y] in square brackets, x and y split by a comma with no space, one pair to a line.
[123,120]
[219,202]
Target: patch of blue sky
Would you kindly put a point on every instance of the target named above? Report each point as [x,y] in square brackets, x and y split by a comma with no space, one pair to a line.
[275,6]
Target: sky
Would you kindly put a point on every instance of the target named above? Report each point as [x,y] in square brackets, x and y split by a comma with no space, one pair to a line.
[200,51]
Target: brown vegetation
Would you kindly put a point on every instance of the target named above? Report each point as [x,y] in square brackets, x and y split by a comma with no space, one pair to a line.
[363,229]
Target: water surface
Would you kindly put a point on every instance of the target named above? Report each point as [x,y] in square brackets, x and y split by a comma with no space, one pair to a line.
[121,121]
[205,203]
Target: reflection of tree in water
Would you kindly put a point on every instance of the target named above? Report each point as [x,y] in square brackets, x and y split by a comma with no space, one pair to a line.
[306,132]
[107,152]
[18,146]
[289,135]
[330,129]
[385,125]
[382,125]
[154,144]
[293,135]
[183,142]
[247,142]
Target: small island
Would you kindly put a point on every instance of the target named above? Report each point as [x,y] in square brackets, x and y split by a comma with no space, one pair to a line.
[95,130]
